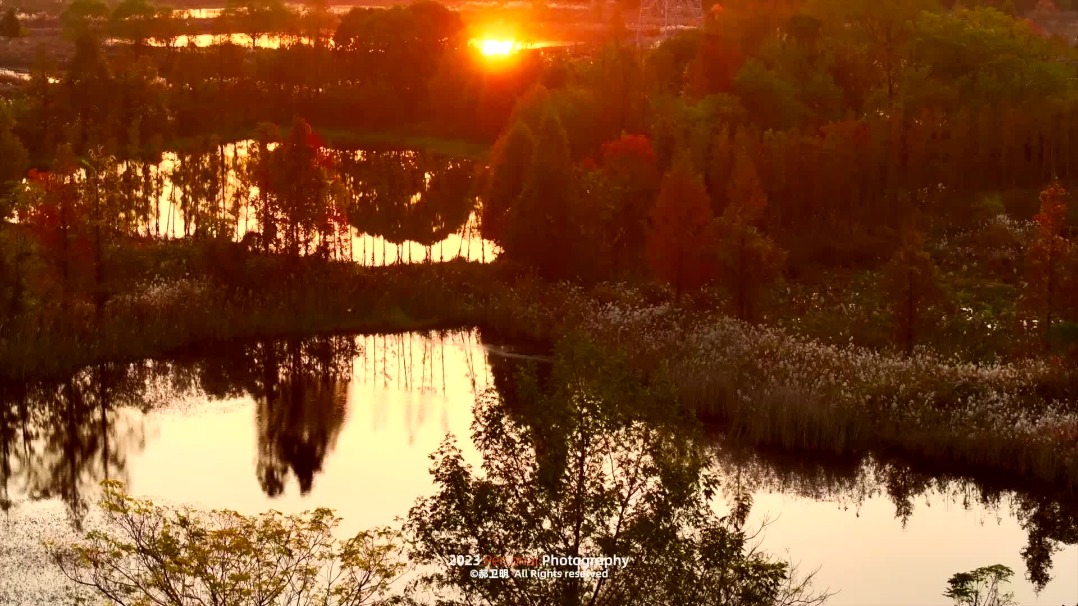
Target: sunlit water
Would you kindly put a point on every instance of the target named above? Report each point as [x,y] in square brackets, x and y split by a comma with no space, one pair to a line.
[396,399]
[277,41]
[168,219]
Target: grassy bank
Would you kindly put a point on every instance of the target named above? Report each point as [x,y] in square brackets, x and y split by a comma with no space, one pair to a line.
[165,317]
[765,386]
[162,312]
[762,385]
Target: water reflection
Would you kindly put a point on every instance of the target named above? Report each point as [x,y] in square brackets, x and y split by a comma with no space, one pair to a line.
[301,408]
[389,206]
[350,423]
[61,439]
[1049,521]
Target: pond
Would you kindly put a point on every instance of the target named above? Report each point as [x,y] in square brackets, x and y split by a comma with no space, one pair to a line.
[391,206]
[350,423]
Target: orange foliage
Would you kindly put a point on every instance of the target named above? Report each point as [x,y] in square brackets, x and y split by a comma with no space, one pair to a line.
[681,238]
[745,193]
[630,159]
[1044,259]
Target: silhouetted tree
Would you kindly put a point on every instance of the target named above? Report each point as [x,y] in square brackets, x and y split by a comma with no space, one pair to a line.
[510,163]
[543,233]
[612,472]
[296,190]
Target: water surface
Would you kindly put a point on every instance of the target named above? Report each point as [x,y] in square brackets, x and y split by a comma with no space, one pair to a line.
[350,423]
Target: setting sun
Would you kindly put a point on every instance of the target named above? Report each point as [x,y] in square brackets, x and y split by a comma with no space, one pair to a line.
[493,47]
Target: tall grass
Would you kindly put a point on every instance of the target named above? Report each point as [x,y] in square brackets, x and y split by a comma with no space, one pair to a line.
[170,315]
[767,387]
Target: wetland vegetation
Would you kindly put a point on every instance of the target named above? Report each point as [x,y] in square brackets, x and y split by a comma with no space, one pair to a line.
[829,229]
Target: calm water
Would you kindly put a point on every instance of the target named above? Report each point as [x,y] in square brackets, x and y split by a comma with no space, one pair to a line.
[349,423]
[407,206]
[277,41]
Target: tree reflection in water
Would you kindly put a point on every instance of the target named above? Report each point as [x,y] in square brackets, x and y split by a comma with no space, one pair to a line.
[61,438]
[302,403]
[1049,521]
[598,465]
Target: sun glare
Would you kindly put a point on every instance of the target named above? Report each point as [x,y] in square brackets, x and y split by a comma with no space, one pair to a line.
[493,47]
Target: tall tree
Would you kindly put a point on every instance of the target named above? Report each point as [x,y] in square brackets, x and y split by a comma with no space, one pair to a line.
[14,161]
[911,285]
[510,161]
[681,237]
[88,86]
[1045,259]
[749,261]
[293,177]
[631,172]
[58,219]
[543,233]
[9,24]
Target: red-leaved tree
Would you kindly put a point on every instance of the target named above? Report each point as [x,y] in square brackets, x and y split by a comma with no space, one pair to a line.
[681,237]
[1045,259]
[59,222]
[631,176]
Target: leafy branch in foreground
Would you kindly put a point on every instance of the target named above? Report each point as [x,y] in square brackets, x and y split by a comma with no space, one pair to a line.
[151,554]
[591,461]
[981,587]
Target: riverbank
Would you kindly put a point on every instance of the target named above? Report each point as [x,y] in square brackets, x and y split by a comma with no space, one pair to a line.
[166,317]
[762,385]
[767,387]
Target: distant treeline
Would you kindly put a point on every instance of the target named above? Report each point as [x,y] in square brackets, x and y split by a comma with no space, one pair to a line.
[397,69]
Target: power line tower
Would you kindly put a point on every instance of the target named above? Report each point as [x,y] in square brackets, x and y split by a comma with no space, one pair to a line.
[666,15]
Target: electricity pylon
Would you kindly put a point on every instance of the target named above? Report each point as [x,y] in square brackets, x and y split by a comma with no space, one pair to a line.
[667,14]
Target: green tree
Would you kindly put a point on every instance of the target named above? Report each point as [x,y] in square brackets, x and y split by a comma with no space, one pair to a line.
[89,96]
[148,553]
[510,163]
[14,159]
[542,231]
[84,18]
[883,33]
[748,260]
[981,587]
[135,21]
[14,162]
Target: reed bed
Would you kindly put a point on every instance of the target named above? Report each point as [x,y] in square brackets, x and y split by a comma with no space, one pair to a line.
[769,387]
